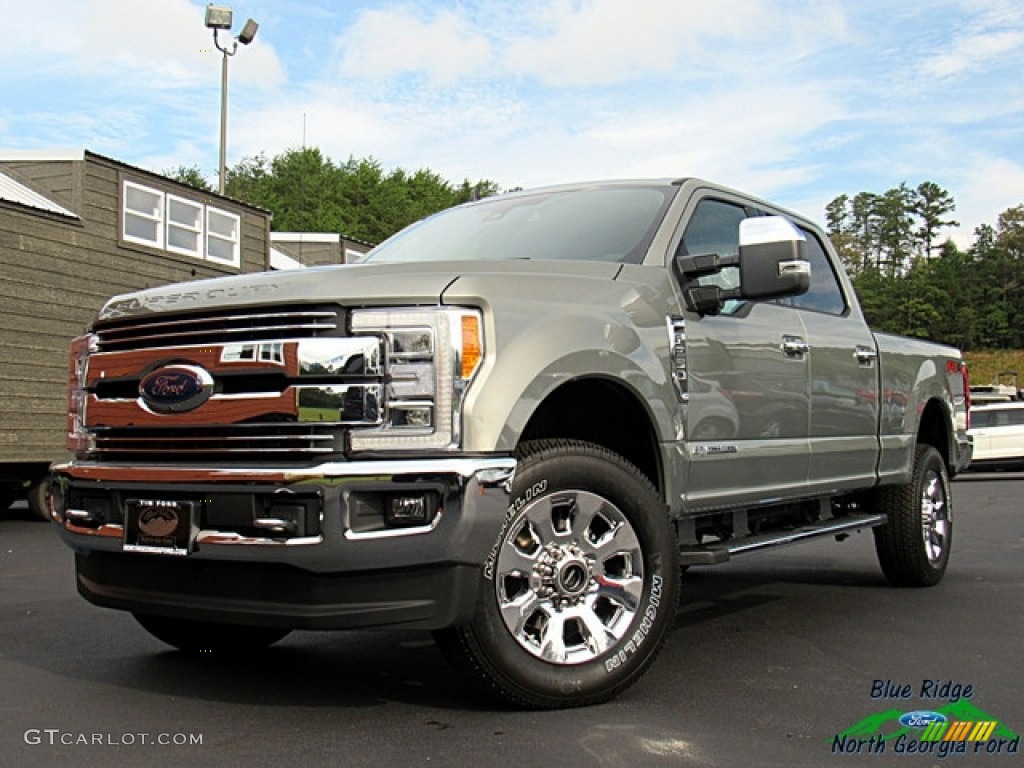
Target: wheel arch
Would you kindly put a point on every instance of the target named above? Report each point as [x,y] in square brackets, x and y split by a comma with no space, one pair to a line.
[935,429]
[605,412]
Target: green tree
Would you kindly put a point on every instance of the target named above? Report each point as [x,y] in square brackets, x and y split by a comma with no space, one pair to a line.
[931,205]
[308,192]
[910,283]
[190,175]
[894,212]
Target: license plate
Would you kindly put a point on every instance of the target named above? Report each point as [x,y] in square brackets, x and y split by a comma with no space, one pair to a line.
[159,527]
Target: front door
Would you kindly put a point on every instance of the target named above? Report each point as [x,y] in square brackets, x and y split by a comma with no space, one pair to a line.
[747,416]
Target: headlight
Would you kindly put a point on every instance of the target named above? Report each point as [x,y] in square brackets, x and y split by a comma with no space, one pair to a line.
[431,355]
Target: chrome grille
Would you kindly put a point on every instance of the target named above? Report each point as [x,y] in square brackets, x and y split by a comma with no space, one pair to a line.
[133,333]
[258,411]
[235,442]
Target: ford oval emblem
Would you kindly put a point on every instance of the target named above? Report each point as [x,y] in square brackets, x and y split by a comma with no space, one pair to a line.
[176,388]
[921,718]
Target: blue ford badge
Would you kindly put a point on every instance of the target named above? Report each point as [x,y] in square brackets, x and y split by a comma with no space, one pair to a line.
[921,718]
[176,388]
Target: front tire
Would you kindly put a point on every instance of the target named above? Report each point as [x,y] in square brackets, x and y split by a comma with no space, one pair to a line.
[914,545]
[209,637]
[581,587]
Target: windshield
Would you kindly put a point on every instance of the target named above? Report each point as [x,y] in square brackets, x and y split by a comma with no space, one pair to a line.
[611,223]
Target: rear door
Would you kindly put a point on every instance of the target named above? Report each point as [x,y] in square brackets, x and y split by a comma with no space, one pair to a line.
[844,379]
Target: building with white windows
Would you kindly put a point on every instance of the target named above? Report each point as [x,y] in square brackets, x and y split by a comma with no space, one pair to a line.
[75,229]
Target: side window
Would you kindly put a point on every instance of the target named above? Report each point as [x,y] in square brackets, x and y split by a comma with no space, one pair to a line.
[715,228]
[981,419]
[824,295]
[1016,417]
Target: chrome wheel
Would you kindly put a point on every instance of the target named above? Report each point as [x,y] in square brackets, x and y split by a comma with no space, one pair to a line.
[914,545]
[935,522]
[569,577]
[580,588]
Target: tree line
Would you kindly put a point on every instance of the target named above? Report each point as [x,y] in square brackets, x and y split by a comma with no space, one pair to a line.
[308,192]
[909,280]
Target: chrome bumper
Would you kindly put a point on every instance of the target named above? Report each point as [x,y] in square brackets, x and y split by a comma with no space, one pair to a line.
[474,493]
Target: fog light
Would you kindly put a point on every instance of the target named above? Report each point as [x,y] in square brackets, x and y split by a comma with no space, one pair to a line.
[410,509]
[417,417]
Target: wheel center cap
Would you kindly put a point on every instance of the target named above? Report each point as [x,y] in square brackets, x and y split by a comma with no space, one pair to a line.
[573,577]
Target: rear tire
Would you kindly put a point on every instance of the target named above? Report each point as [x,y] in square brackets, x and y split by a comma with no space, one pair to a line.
[209,637]
[39,499]
[914,545]
[581,588]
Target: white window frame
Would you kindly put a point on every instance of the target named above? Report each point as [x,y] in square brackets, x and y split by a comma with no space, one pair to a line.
[196,229]
[162,224]
[235,260]
[127,212]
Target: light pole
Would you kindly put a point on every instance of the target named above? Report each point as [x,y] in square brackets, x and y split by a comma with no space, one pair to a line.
[218,17]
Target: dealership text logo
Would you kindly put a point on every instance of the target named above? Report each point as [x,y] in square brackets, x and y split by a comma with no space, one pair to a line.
[949,724]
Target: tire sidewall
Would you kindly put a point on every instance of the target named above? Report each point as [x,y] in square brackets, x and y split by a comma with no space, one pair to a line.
[584,469]
[931,461]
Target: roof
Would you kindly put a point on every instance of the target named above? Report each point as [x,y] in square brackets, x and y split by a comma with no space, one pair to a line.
[61,154]
[317,237]
[280,260]
[15,192]
[64,155]
[991,405]
[305,237]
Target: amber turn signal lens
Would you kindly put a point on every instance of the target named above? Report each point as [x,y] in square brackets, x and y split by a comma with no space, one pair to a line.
[472,345]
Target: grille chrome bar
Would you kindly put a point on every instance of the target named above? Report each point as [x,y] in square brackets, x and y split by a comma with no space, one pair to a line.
[298,440]
[249,325]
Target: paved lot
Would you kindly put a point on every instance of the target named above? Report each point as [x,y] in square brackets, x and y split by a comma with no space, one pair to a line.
[770,658]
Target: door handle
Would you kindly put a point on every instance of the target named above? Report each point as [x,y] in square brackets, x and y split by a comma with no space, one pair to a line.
[794,347]
[865,355]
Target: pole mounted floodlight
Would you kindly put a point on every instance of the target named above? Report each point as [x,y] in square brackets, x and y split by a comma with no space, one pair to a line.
[248,32]
[218,17]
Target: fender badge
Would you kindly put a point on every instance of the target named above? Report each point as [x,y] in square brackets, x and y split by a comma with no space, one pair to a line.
[176,388]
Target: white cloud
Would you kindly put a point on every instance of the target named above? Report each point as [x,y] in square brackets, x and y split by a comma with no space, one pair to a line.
[156,44]
[795,106]
[989,35]
[974,52]
[985,186]
[607,41]
[451,135]
[384,43]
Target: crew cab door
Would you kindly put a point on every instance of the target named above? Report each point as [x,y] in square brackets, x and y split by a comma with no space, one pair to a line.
[844,378]
[747,409]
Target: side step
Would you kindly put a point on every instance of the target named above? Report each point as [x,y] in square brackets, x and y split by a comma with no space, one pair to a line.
[722,551]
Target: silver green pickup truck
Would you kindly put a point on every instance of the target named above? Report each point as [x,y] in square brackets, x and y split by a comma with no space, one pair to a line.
[515,425]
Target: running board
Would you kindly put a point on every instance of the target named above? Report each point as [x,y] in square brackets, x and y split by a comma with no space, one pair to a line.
[720,552]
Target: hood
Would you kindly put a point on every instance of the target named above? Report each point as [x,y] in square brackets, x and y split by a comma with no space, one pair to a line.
[350,284]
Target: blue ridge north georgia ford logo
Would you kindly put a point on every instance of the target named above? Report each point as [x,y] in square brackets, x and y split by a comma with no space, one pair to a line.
[176,388]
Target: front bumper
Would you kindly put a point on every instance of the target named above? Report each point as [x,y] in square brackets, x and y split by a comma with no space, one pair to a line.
[332,569]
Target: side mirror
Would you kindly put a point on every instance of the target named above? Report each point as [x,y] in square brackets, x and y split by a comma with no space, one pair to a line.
[772,259]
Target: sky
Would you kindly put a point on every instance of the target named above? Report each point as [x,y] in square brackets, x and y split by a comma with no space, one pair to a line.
[795,102]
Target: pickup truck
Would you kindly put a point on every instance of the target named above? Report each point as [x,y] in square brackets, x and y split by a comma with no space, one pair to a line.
[515,424]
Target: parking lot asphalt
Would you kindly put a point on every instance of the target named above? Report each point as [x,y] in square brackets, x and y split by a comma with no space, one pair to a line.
[773,661]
